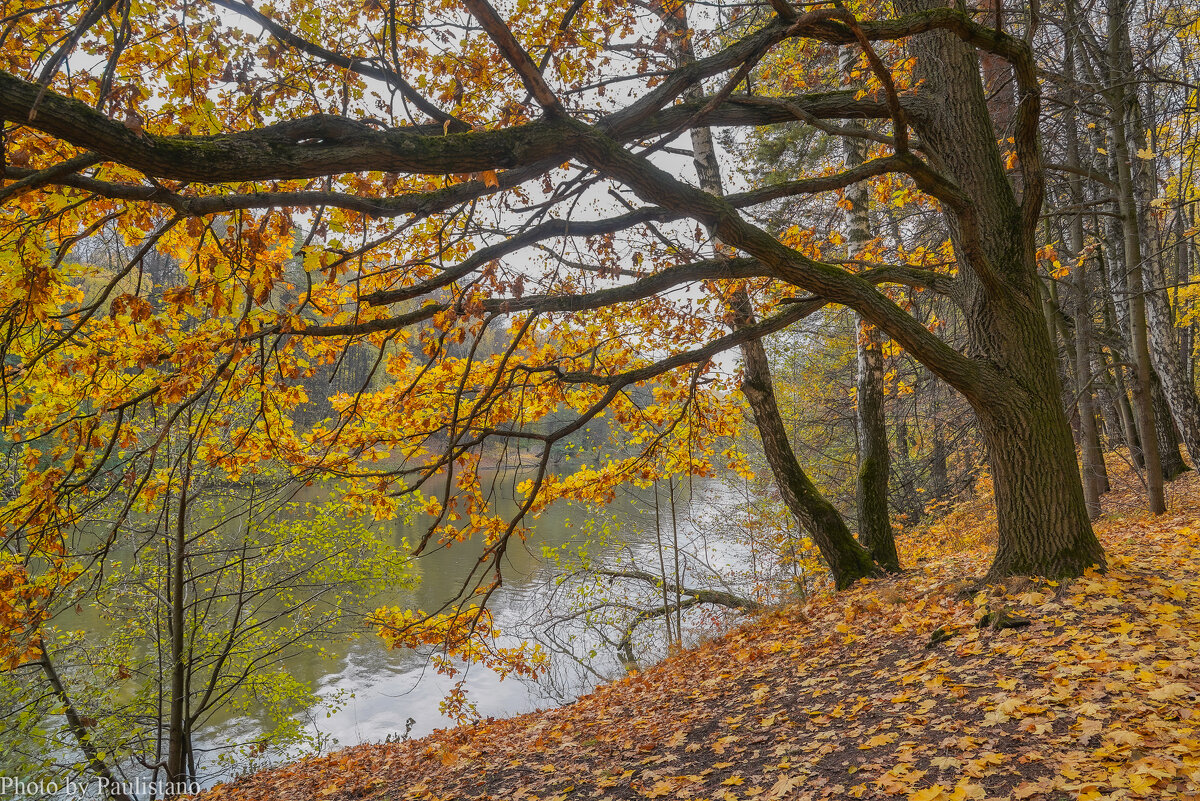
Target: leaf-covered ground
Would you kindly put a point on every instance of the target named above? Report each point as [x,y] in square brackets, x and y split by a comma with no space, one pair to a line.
[847,697]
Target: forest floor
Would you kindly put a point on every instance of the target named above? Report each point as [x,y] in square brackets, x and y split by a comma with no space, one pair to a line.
[849,697]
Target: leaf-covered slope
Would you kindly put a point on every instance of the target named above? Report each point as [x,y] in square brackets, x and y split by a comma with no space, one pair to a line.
[853,697]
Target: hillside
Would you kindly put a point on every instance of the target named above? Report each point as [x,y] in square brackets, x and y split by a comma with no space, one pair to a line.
[889,690]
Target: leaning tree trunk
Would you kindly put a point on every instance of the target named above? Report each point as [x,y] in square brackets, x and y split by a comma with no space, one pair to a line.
[1042,517]
[846,559]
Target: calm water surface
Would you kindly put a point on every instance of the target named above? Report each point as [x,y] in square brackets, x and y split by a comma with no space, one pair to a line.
[380,690]
[376,693]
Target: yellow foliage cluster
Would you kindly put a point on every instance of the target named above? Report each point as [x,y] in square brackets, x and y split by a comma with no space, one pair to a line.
[24,606]
[467,635]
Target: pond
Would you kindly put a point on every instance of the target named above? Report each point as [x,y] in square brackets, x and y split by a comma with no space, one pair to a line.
[385,693]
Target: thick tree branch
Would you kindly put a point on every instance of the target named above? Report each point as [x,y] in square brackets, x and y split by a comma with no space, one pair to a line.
[825,280]
[424,203]
[311,147]
[28,180]
[324,145]
[499,32]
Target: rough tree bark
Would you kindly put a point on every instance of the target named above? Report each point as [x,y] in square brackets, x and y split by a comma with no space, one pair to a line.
[1169,455]
[1043,518]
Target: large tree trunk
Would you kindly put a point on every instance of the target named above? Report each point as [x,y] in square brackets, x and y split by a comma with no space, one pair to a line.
[1043,519]
[1039,498]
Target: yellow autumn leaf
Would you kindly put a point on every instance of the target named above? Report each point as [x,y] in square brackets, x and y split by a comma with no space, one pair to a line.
[1140,783]
[1122,737]
[878,740]
[968,791]
[785,785]
[1169,692]
[935,793]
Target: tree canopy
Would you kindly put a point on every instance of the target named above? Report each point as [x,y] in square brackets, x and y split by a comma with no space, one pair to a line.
[399,244]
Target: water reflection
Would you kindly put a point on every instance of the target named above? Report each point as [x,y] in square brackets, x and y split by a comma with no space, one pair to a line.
[374,691]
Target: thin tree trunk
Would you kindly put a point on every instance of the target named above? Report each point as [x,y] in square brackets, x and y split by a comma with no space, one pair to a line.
[911,506]
[1182,275]
[1128,421]
[662,566]
[177,736]
[1134,284]
[939,477]
[874,520]
[1095,477]
[846,559]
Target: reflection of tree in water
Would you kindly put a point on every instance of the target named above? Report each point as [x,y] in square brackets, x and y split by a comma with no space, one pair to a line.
[642,579]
